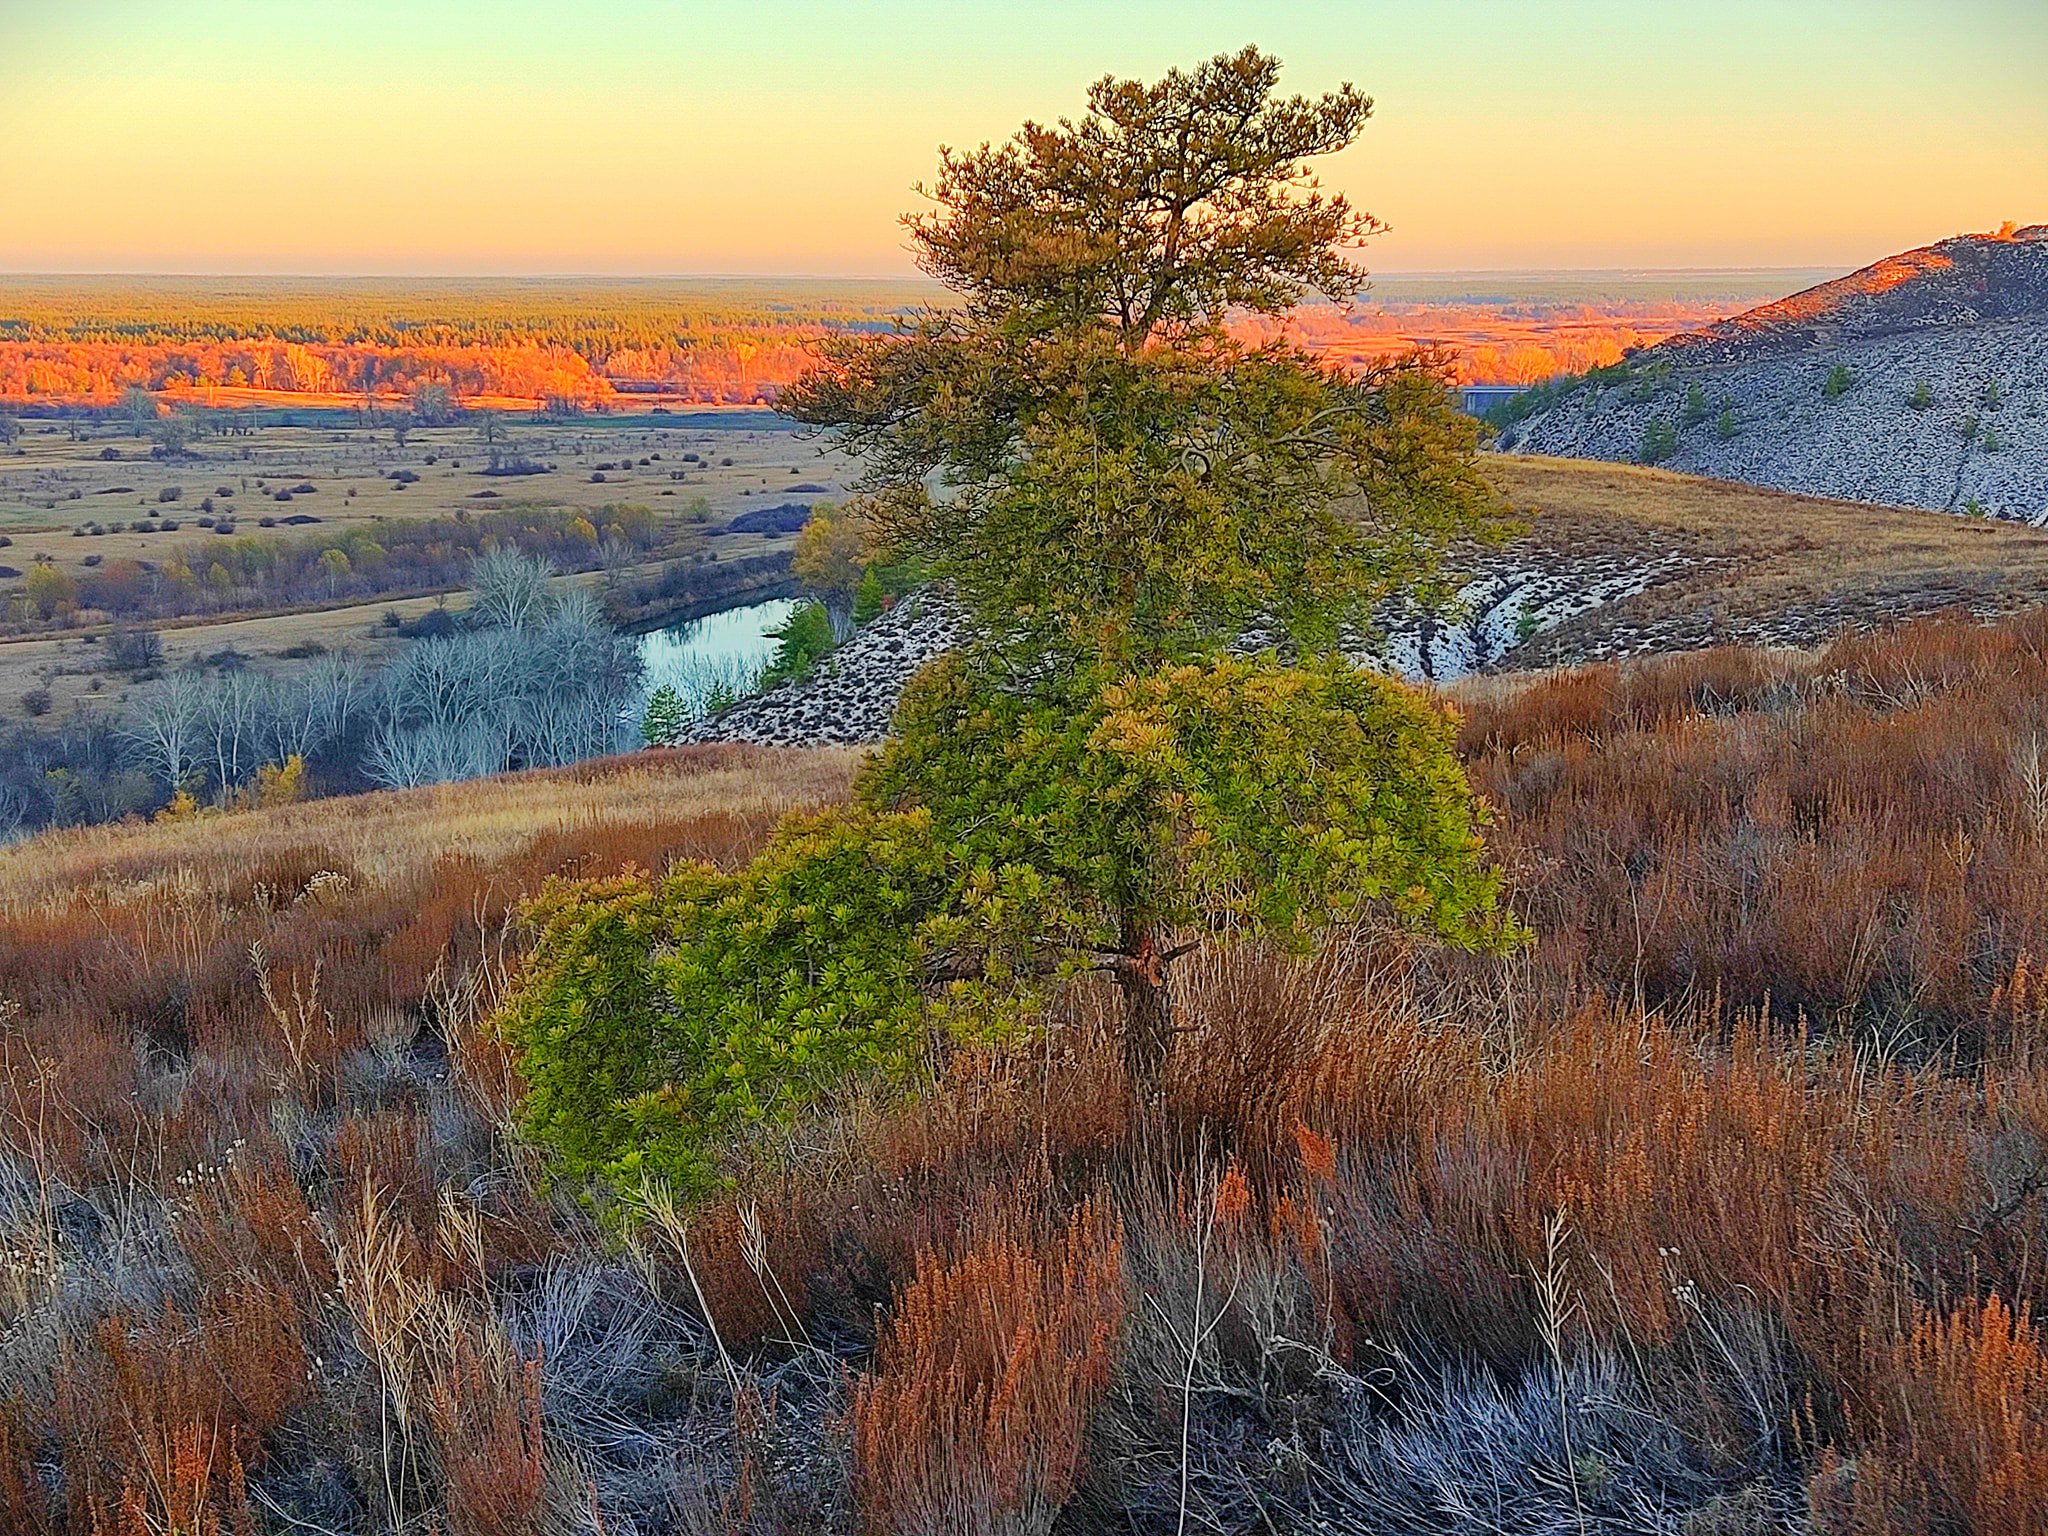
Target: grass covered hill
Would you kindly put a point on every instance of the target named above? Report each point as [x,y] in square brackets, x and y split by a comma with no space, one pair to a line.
[1754,565]
[1716,1210]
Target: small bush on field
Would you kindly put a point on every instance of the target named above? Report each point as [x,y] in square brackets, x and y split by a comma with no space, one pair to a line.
[814,920]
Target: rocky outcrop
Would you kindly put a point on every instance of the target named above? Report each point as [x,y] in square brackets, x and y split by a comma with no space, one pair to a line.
[1920,381]
[851,693]
[1509,600]
[1513,599]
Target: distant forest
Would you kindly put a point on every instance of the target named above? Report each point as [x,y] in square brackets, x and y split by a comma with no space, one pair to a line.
[85,340]
[597,344]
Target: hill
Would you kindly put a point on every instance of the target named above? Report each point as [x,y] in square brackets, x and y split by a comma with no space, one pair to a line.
[1921,380]
[1717,1210]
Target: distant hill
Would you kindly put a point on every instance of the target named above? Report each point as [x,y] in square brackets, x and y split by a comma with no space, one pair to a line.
[1920,381]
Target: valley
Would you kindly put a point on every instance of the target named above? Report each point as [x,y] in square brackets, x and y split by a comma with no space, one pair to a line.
[817,771]
[117,529]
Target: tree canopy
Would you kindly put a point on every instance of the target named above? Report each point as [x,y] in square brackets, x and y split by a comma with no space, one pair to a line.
[1123,490]
[1236,797]
[1160,210]
[1085,447]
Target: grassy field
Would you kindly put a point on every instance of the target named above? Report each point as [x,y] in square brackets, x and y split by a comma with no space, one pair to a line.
[53,485]
[398,839]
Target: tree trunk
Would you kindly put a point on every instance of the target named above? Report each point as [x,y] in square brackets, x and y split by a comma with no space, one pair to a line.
[1148,1014]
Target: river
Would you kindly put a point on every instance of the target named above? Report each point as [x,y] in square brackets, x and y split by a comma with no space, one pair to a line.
[721,651]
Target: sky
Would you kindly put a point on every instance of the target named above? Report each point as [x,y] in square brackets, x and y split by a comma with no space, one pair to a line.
[785,136]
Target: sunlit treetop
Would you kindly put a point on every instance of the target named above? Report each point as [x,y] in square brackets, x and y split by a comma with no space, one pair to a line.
[1083,446]
[1162,208]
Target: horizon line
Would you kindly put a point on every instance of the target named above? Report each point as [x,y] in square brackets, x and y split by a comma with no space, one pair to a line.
[832,277]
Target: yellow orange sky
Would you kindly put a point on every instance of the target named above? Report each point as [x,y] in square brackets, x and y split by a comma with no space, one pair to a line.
[781,136]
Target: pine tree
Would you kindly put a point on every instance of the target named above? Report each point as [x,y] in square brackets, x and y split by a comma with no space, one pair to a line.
[868,598]
[1095,784]
[662,725]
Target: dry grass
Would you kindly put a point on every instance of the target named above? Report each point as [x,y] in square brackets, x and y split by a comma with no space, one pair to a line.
[1720,1206]
[1773,566]
[398,836]
[986,1379]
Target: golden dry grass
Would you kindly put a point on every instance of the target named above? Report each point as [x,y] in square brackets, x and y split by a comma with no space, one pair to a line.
[397,835]
[1771,565]
[37,510]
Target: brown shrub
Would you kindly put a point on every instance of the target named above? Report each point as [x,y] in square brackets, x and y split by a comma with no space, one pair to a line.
[985,1377]
[484,1407]
[1962,1441]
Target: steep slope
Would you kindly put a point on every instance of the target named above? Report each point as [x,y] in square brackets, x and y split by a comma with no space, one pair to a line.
[1617,561]
[1921,381]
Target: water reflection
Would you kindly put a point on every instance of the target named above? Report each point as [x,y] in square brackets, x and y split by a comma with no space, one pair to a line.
[719,654]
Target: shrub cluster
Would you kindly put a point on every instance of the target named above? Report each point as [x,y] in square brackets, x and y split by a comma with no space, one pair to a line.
[391,556]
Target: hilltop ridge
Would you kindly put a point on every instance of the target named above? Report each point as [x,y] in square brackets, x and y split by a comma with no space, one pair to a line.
[1920,380]
[1969,279]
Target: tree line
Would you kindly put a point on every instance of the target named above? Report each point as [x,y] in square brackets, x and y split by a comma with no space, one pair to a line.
[227,572]
[528,677]
[86,340]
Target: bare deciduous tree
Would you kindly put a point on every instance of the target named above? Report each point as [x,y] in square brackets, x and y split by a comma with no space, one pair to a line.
[163,726]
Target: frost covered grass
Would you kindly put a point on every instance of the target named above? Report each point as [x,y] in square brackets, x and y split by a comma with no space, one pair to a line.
[1717,1210]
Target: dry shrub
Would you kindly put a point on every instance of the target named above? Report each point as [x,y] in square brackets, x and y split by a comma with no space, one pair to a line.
[141,1060]
[1864,843]
[1255,1021]
[1601,700]
[1910,662]
[157,1418]
[1777,1056]
[196,1486]
[985,1378]
[483,1404]
[1963,1442]
[841,1217]
[1228,1346]
[391,1154]
[279,877]
[1695,1169]
[24,1503]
